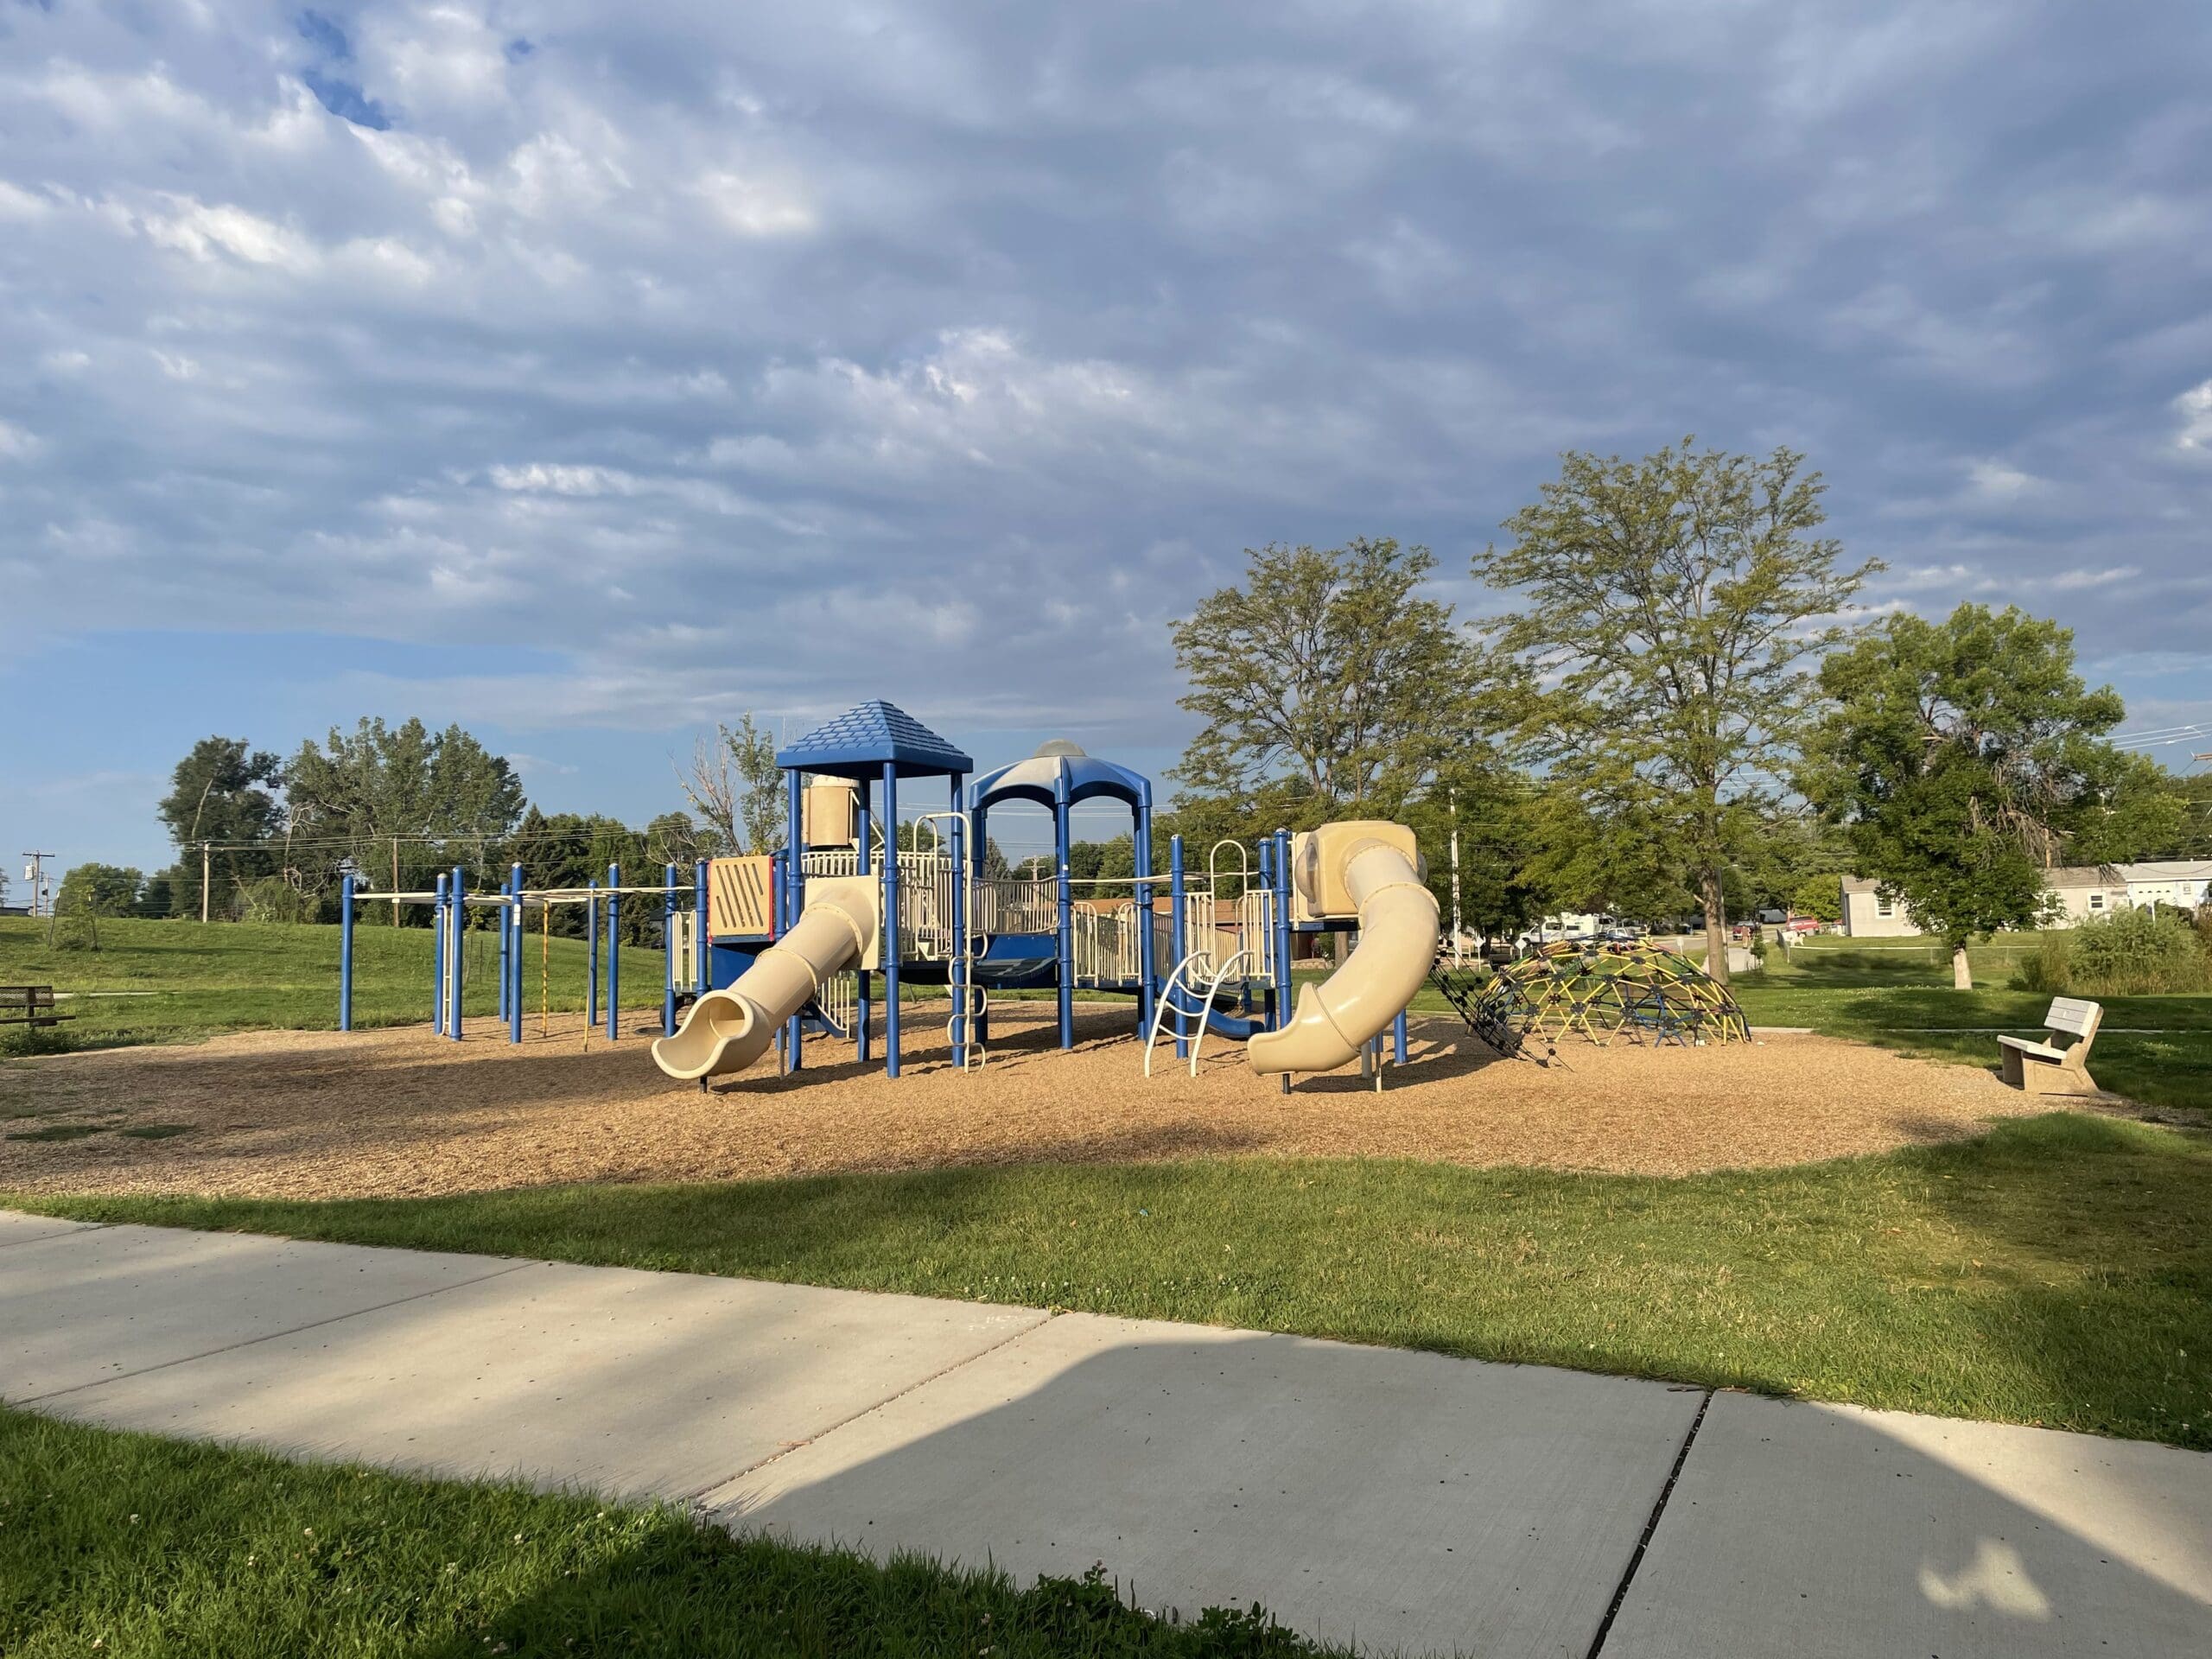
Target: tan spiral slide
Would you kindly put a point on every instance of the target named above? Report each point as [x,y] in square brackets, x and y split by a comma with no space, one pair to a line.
[1369,870]
[727,1031]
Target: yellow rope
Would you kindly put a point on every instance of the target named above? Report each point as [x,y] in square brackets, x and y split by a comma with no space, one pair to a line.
[545,966]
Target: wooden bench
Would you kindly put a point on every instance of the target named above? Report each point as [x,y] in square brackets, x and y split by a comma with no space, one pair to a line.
[29,1004]
[2046,1069]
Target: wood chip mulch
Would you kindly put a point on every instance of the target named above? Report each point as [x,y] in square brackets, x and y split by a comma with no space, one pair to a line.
[400,1112]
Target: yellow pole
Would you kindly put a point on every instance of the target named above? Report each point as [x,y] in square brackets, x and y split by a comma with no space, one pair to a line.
[544,965]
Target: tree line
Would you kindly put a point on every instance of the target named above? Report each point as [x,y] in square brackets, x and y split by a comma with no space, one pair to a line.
[1672,706]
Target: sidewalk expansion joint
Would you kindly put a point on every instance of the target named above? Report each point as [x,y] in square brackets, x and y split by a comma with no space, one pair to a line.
[273,1335]
[783,1451]
[1651,1526]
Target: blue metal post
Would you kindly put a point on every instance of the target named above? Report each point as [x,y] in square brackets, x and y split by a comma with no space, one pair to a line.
[438,959]
[1147,967]
[700,938]
[794,892]
[864,866]
[978,855]
[668,950]
[1064,896]
[1265,949]
[514,958]
[591,956]
[1179,943]
[345,952]
[457,975]
[613,953]
[1398,1039]
[1284,1001]
[958,972]
[890,918]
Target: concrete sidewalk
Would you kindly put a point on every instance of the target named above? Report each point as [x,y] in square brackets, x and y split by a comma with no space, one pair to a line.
[1401,1500]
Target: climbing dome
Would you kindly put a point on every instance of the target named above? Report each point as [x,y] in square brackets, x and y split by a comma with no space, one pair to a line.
[1640,993]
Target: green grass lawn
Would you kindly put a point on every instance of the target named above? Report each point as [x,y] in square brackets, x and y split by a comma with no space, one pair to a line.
[185,981]
[2058,1271]
[1891,991]
[126,1545]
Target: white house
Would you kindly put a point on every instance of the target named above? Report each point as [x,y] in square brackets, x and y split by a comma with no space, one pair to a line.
[2182,883]
[2080,891]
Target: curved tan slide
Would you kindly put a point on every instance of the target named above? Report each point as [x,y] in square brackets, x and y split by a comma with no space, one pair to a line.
[727,1031]
[1397,943]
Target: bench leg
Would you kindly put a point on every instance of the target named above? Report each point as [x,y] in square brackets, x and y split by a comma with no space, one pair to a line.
[2011,1068]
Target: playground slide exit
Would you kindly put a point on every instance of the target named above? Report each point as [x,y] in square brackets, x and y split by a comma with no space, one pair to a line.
[727,1030]
[1379,881]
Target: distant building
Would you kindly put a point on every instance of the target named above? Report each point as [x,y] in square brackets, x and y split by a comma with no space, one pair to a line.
[2183,883]
[2082,891]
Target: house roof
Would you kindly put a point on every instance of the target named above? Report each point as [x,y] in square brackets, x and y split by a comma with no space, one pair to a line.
[2168,869]
[859,742]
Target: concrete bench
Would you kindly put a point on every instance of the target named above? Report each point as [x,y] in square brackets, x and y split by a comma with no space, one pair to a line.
[2047,1069]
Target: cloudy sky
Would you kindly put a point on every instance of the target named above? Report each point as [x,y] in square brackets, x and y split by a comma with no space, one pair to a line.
[585,373]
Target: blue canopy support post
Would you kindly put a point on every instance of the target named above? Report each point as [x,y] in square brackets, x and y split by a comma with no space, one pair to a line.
[591,954]
[345,952]
[1063,897]
[794,893]
[1285,1002]
[1147,969]
[1398,1039]
[1178,933]
[701,940]
[891,942]
[613,952]
[667,950]
[457,974]
[978,862]
[864,866]
[957,969]
[514,957]
[438,959]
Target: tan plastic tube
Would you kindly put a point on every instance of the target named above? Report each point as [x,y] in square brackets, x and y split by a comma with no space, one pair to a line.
[1397,943]
[727,1031]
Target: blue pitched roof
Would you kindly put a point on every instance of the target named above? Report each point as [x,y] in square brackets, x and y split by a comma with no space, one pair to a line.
[859,741]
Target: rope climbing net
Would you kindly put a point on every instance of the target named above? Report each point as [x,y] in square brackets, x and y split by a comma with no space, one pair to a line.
[1641,993]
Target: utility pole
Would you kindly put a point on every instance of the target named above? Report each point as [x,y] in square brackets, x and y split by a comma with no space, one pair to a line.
[1455,877]
[35,873]
[204,860]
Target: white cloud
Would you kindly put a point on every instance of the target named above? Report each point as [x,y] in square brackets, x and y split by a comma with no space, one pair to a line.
[16,443]
[2000,482]
[2194,409]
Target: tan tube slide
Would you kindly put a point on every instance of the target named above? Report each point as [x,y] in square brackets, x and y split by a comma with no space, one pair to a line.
[1397,943]
[727,1031]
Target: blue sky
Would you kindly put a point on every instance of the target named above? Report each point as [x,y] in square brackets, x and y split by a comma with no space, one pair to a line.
[587,374]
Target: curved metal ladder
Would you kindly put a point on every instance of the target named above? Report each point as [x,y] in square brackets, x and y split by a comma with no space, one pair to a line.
[1167,1003]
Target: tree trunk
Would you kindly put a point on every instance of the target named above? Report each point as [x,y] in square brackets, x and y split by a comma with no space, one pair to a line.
[1961,969]
[1716,925]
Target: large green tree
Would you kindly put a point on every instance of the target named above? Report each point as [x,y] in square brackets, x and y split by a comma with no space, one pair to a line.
[99,890]
[1330,682]
[403,802]
[1966,758]
[1665,614]
[223,796]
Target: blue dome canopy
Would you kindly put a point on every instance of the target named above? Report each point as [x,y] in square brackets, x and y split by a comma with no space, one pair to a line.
[1060,771]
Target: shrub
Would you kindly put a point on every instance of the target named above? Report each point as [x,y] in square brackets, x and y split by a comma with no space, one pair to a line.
[2050,970]
[2136,953]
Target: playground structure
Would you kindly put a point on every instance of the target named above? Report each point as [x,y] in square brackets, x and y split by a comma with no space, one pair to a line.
[764,949]
[1640,992]
[1195,954]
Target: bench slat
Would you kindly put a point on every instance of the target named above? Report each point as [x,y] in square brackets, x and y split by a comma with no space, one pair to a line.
[2071,1014]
